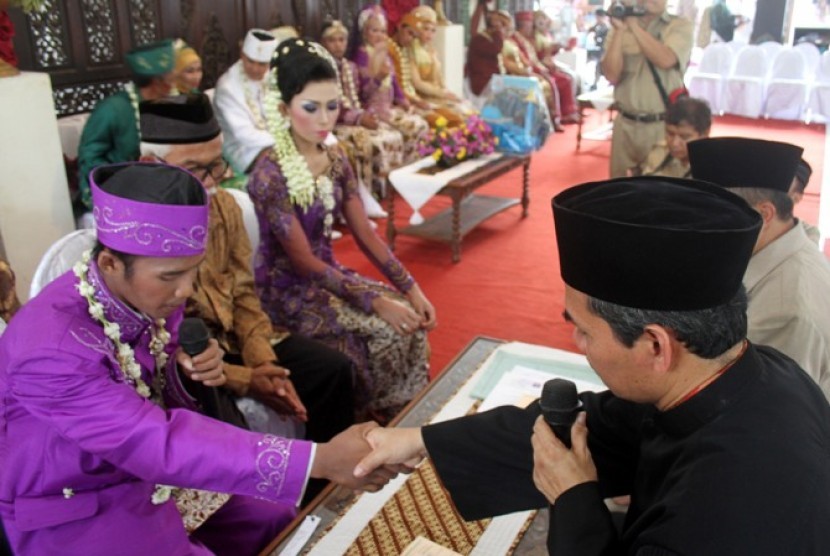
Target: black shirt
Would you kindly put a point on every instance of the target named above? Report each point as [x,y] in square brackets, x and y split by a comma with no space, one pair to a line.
[741,468]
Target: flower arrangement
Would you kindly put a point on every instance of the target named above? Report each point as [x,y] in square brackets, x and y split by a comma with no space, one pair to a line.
[449,146]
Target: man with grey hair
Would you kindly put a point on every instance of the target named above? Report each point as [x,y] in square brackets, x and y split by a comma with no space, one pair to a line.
[787,279]
[723,445]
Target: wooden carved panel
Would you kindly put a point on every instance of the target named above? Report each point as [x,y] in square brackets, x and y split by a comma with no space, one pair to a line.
[50,36]
[216,55]
[144,21]
[185,16]
[81,43]
[74,99]
[100,30]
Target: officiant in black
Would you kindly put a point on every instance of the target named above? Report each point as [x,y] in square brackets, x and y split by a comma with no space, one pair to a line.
[724,446]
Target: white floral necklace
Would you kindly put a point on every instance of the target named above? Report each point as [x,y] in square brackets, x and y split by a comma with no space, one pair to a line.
[125,354]
[303,189]
[256,111]
[131,92]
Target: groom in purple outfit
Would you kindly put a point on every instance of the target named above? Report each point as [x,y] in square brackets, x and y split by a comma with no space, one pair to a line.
[94,420]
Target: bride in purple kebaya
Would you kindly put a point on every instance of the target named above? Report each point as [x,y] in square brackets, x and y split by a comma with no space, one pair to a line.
[299,187]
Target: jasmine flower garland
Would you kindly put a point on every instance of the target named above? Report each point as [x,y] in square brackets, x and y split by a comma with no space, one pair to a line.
[131,92]
[303,189]
[124,353]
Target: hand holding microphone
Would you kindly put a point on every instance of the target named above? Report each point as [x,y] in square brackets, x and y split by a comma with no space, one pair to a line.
[201,359]
[560,405]
[203,362]
[557,468]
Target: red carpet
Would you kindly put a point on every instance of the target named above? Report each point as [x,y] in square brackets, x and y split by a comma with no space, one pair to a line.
[507,284]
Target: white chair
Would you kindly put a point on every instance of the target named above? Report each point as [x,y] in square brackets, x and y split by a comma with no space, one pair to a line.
[786,94]
[246,205]
[743,92]
[707,83]
[818,105]
[771,49]
[736,46]
[812,55]
[60,257]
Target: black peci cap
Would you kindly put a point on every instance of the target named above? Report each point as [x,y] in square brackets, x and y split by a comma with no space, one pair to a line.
[177,120]
[744,162]
[654,243]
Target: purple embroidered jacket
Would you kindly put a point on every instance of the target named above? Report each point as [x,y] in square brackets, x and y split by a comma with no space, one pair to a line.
[81,451]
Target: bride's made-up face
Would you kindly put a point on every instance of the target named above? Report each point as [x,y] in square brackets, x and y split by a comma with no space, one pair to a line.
[313,111]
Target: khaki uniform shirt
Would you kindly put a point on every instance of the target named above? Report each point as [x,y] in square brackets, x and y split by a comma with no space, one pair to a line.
[224,294]
[636,91]
[660,162]
[812,232]
[788,283]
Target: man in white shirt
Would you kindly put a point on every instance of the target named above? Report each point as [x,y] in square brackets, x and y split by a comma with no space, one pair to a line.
[240,94]
[787,279]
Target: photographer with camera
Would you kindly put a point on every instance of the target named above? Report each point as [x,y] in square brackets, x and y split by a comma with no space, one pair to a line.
[646,54]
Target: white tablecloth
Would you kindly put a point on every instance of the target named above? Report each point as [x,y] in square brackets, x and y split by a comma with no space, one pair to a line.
[416,189]
[70,129]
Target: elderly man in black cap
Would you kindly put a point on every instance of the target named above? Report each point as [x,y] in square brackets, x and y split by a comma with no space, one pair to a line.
[295,376]
[699,424]
[787,279]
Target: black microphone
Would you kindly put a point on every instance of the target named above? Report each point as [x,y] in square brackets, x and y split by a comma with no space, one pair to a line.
[194,337]
[560,405]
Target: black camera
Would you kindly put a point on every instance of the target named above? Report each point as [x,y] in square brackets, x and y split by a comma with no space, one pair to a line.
[618,10]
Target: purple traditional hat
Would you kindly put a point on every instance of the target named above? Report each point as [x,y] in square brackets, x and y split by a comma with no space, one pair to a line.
[149,209]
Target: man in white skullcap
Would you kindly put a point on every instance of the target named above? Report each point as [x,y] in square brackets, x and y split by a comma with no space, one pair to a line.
[239,101]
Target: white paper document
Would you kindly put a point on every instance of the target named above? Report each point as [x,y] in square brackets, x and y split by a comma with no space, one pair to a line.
[521,385]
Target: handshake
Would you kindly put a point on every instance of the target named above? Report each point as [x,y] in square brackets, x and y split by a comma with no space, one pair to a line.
[366,456]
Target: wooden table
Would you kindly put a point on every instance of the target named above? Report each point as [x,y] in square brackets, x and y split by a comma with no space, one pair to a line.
[468,210]
[332,501]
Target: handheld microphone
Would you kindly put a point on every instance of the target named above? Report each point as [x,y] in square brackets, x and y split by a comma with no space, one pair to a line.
[194,338]
[560,405]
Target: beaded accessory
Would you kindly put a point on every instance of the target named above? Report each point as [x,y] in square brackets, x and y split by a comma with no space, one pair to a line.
[133,94]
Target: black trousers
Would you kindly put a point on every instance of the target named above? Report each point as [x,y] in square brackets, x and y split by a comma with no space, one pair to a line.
[323,378]
[321,375]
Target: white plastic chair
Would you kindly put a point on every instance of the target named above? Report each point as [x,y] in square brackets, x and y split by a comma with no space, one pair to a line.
[787,87]
[60,257]
[736,46]
[812,55]
[771,49]
[707,83]
[818,106]
[246,205]
[743,92]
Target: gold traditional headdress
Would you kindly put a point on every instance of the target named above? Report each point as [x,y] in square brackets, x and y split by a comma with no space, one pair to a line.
[336,27]
[424,15]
